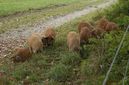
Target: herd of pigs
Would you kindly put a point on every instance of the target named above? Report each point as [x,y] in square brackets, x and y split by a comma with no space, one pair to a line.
[37,41]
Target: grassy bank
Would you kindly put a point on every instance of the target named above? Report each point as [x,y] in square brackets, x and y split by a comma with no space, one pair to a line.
[31,17]
[57,66]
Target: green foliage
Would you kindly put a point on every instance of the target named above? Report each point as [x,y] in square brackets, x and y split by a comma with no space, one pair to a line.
[70,58]
[59,72]
[34,77]
[89,67]
[53,82]
[119,13]
[122,20]
[112,41]
[124,6]
[21,72]
[126,82]
[92,81]
[86,69]
[86,50]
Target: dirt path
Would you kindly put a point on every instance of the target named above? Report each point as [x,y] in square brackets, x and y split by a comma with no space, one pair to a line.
[16,37]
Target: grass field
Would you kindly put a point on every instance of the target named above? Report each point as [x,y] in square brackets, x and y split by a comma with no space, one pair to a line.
[8,7]
[29,18]
[12,6]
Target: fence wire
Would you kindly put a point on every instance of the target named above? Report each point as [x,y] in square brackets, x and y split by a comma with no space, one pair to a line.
[125,75]
[119,47]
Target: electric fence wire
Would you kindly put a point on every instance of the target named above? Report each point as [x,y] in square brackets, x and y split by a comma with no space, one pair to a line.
[108,72]
[125,75]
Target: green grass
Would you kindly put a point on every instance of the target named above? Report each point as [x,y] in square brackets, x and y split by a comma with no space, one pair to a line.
[70,59]
[60,72]
[12,6]
[57,66]
[30,18]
